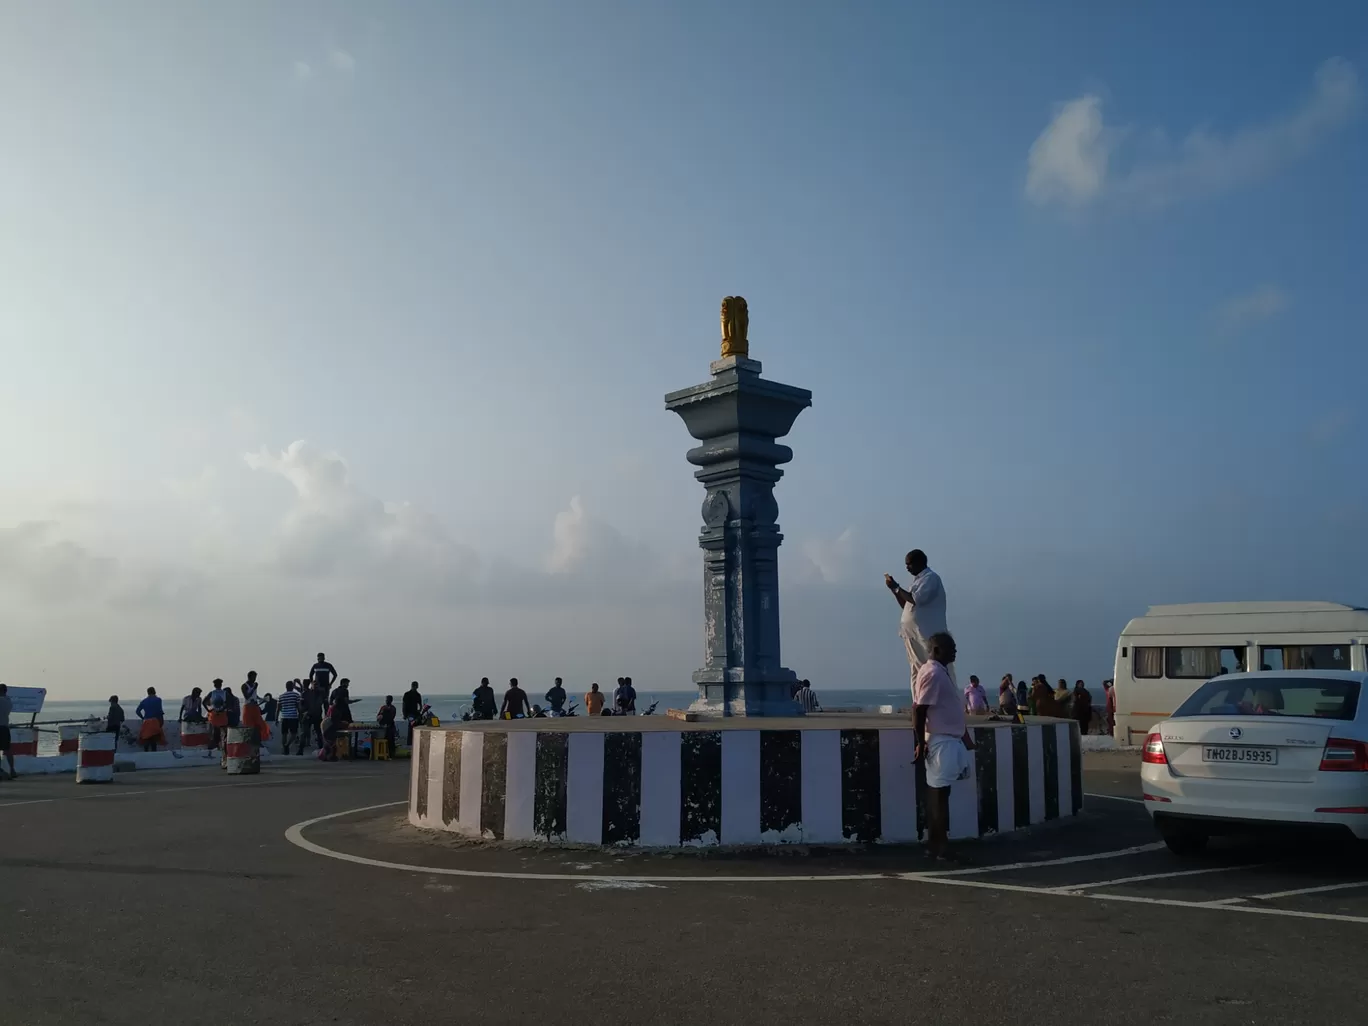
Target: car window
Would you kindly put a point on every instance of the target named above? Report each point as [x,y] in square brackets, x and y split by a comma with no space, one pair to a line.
[1274,696]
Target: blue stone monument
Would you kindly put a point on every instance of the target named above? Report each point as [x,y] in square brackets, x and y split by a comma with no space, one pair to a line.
[736,418]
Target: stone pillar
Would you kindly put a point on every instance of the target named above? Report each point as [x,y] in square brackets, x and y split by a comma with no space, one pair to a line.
[736,418]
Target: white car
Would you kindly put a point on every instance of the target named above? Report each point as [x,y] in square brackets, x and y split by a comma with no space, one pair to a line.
[1249,751]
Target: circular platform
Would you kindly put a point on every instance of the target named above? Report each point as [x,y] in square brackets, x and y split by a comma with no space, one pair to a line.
[661,782]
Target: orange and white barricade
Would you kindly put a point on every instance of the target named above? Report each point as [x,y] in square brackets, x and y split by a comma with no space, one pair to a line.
[23,741]
[194,734]
[95,758]
[68,738]
[241,751]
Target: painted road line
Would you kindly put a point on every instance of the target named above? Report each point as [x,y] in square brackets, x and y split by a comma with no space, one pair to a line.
[1217,906]
[1307,890]
[1069,888]
[172,790]
[1114,798]
[1041,863]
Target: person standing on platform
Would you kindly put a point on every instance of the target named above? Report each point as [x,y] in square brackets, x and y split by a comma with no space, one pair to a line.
[413,706]
[1110,688]
[942,737]
[251,709]
[385,718]
[270,708]
[114,719]
[923,610]
[555,698]
[593,701]
[289,717]
[515,703]
[1082,706]
[1023,695]
[323,673]
[6,706]
[624,698]
[1007,700]
[975,698]
[485,705]
[232,707]
[153,718]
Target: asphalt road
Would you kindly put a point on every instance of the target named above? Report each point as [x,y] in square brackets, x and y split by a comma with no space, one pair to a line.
[177,895]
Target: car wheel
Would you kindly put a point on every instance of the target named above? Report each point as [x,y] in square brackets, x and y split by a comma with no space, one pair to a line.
[1185,840]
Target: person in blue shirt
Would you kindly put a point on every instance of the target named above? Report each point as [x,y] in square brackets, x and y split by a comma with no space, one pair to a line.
[153,716]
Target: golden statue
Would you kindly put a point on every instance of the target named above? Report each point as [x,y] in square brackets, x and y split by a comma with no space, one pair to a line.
[735,319]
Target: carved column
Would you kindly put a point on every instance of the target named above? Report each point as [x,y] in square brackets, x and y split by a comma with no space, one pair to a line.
[736,417]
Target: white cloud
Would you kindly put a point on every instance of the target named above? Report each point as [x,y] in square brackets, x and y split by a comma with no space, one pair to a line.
[303,71]
[833,559]
[1074,160]
[1068,161]
[1241,312]
[341,60]
[336,530]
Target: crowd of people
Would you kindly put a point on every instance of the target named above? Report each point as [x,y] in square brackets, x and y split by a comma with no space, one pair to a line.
[1016,699]
[515,705]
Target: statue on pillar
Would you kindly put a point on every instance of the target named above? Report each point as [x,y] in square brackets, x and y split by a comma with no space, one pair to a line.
[735,321]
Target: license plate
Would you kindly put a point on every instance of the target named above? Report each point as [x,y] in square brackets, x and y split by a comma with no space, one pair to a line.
[1240,754]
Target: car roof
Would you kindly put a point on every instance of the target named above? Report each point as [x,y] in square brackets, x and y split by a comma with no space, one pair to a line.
[1257,675]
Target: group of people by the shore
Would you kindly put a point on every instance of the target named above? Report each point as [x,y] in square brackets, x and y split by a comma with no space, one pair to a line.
[1016,699]
[516,705]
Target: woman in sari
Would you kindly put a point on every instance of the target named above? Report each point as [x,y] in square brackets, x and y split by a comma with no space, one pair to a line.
[251,710]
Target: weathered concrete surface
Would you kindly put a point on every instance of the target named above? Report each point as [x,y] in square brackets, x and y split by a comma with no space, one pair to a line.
[330,942]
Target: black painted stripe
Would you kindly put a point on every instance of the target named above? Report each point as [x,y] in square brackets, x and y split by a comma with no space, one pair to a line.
[451,777]
[700,785]
[420,766]
[919,772]
[548,803]
[985,759]
[1021,778]
[781,780]
[493,784]
[861,818]
[1049,738]
[621,787]
[1076,771]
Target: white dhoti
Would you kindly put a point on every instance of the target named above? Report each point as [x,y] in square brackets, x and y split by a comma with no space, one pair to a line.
[917,654]
[947,760]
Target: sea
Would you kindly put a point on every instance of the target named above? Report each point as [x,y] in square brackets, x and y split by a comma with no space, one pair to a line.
[448,707]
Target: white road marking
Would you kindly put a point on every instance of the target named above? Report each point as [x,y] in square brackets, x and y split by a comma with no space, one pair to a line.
[1114,798]
[171,790]
[1065,861]
[1068,888]
[1308,890]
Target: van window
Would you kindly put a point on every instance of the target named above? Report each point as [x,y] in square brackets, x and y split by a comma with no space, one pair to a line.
[1148,663]
[1304,657]
[1194,663]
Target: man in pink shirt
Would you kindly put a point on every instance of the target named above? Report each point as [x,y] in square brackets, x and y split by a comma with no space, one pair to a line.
[942,738]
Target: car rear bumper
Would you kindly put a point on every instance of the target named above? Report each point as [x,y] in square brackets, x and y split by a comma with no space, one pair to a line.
[1239,805]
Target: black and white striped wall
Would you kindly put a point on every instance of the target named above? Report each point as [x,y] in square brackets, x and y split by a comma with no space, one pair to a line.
[673,788]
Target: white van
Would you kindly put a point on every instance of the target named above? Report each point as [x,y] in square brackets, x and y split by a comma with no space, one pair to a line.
[1165,655]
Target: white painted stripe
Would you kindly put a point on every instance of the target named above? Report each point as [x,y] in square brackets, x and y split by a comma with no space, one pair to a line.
[1063,745]
[472,776]
[740,787]
[1114,797]
[821,786]
[1309,890]
[964,803]
[521,785]
[436,761]
[415,770]
[660,788]
[1065,861]
[897,786]
[1070,888]
[1035,770]
[584,788]
[1006,790]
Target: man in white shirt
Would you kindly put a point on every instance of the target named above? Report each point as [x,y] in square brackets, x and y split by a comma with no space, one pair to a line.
[923,610]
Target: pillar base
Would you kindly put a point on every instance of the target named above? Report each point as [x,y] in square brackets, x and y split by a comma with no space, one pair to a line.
[718,696]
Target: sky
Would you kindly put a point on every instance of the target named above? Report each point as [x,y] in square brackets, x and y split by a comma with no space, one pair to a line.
[347,326]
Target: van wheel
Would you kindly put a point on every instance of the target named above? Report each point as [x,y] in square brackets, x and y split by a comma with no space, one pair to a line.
[1185,840]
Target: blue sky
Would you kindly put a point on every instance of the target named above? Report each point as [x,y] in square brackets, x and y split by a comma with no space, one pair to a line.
[346,326]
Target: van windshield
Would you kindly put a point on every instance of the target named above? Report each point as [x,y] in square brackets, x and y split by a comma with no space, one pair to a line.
[1321,697]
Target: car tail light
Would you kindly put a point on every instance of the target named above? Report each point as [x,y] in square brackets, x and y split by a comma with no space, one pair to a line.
[1156,798]
[1154,750]
[1345,754]
[1346,808]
